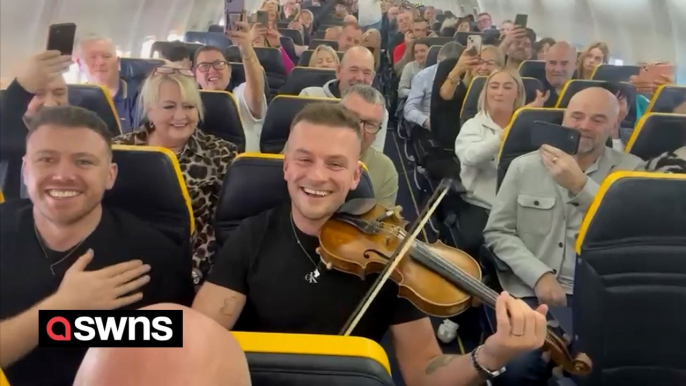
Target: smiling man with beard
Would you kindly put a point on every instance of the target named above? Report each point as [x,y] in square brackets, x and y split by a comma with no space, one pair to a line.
[539,208]
[64,250]
[269,278]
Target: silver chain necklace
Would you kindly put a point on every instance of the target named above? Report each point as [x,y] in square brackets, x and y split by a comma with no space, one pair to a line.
[45,253]
[312,276]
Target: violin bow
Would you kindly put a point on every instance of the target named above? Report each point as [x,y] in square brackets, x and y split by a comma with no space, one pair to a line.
[397,255]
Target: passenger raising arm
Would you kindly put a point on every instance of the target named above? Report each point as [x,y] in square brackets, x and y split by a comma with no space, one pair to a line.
[104,289]
[254,74]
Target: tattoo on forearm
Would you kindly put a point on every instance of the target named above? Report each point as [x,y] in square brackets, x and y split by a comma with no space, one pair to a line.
[438,362]
[227,308]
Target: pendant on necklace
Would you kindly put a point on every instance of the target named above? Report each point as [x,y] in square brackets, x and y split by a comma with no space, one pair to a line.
[312,276]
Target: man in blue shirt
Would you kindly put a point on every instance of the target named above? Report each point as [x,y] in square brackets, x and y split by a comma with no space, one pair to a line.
[98,60]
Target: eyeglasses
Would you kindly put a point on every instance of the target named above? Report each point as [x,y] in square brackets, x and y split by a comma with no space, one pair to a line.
[370,127]
[163,70]
[205,66]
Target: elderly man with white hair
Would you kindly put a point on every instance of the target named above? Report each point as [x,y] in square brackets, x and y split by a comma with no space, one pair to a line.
[98,60]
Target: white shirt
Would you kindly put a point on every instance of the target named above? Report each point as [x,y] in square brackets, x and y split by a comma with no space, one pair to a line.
[252,126]
[477,147]
[369,12]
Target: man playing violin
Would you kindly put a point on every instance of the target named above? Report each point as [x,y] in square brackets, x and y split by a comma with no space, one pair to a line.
[268,277]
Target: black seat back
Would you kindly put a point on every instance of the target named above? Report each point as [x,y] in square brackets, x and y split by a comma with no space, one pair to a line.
[432,55]
[303,77]
[666,98]
[222,117]
[270,59]
[257,185]
[294,34]
[277,122]
[612,73]
[97,99]
[575,85]
[216,39]
[532,69]
[517,137]
[135,70]
[150,186]
[314,43]
[630,281]
[657,133]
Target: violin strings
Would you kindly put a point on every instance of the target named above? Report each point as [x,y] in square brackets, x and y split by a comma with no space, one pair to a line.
[467,279]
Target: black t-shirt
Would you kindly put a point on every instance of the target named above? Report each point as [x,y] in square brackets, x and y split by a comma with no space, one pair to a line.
[26,278]
[445,114]
[263,260]
[552,99]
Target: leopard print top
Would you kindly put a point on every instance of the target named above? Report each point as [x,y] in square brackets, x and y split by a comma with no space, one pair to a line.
[203,163]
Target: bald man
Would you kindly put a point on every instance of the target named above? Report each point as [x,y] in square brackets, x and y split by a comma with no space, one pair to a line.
[539,208]
[210,356]
[560,64]
[357,67]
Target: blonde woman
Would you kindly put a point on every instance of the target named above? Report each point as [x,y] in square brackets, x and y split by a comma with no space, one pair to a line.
[491,59]
[591,57]
[324,57]
[477,147]
[171,108]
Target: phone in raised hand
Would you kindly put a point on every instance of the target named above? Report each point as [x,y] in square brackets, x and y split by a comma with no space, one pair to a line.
[521,20]
[61,38]
[474,43]
[561,137]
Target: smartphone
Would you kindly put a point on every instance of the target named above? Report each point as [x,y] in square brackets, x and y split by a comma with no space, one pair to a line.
[521,20]
[561,137]
[653,72]
[263,18]
[474,43]
[61,38]
[234,10]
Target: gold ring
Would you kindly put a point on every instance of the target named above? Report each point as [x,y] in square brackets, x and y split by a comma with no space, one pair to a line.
[554,159]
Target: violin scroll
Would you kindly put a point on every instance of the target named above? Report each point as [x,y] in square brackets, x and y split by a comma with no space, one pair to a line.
[581,364]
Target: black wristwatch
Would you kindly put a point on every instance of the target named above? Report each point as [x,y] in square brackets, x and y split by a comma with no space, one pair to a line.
[483,372]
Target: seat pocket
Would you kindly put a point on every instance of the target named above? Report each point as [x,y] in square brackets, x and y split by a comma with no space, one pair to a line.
[534,214]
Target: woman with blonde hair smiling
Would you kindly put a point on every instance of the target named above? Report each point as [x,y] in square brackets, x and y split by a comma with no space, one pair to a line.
[477,147]
[171,108]
[591,57]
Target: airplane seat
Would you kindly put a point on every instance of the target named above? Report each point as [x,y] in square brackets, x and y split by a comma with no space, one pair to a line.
[270,59]
[612,73]
[575,85]
[657,133]
[303,77]
[307,55]
[217,39]
[294,34]
[215,28]
[289,47]
[438,41]
[319,34]
[532,69]
[470,106]
[666,98]
[630,281]
[150,186]
[432,56]
[257,185]
[314,360]
[3,379]
[517,137]
[314,43]
[135,70]
[277,122]
[97,99]
[160,49]
[222,117]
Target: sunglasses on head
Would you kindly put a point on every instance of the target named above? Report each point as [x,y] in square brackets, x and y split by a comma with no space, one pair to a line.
[164,70]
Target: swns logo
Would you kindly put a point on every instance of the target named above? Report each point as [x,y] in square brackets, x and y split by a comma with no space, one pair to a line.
[118,328]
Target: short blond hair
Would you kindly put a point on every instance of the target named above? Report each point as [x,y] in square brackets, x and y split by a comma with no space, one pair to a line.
[150,92]
[521,93]
[325,48]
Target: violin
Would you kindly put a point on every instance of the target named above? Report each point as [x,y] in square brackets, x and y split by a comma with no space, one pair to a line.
[438,279]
